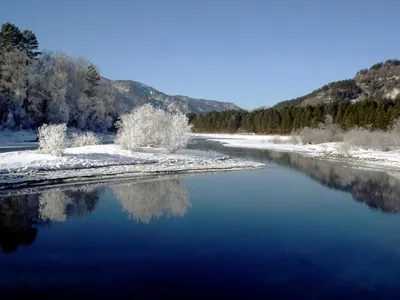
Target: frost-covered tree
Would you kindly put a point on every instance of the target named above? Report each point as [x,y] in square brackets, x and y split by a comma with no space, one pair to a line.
[147,126]
[52,139]
[178,132]
[140,128]
[57,88]
[13,82]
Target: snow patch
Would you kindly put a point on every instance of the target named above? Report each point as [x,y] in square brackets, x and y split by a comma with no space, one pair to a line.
[121,87]
[338,151]
[393,94]
[110,160]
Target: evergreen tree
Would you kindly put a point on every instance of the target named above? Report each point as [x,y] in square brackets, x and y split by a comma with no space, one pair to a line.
[92,80]
[10,38]
[29,44]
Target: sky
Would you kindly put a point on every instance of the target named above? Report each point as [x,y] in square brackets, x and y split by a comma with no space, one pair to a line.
[250,52]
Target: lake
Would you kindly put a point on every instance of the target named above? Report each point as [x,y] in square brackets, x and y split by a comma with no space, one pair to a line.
[297,229]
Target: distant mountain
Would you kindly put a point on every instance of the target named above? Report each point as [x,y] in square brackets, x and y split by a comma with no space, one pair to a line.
[381,81]
[132,93]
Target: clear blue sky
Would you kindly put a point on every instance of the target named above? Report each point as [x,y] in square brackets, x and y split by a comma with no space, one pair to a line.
[250,52]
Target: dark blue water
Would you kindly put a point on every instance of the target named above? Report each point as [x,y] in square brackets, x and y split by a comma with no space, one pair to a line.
[298,229]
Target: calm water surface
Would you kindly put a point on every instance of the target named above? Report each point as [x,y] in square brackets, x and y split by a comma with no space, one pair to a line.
[299,228]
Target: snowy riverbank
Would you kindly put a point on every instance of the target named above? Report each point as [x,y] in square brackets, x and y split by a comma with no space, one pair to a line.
[382,160]
[101,161]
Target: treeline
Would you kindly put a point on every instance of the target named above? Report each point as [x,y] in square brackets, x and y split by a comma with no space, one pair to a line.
[50,87]
[375,114]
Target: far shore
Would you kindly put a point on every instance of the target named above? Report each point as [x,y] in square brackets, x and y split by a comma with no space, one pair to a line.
[333,151]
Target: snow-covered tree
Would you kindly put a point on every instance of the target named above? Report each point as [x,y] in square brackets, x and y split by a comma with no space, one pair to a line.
[147,126]
[13,82]
[140,128]
[52,139]
[178,132]
[57,88]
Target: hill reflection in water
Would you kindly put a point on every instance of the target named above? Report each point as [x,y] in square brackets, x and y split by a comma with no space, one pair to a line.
[377,189]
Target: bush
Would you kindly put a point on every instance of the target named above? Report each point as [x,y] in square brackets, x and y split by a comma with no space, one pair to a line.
[52,139]
[177,132]
[84,139]
[140,128]
[276,140]
[375,140]
[147,126]
[345,149]
[325,133]
[356,137]
[279,140]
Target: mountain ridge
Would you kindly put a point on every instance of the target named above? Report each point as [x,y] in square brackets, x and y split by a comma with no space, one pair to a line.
[132,93]
[380,81]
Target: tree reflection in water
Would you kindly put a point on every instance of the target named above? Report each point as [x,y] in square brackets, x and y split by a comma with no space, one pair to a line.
[18,216]
[151,200]
[377,189]
[52,205]
[22,215]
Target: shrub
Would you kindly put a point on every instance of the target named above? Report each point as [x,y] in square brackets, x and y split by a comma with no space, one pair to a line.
[52,139]
[139,128]
[345,149]
[279,140]
[326,132]
[276,140]
[147,126]
[84,139]
[294,140]
[177,132]
[375,140]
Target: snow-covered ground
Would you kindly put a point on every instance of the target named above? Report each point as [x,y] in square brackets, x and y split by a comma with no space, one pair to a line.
[30,167]
[332,151]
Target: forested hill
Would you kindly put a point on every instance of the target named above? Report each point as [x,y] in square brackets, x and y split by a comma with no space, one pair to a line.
[132,93]
[380,81]
[370,100]
[52,87]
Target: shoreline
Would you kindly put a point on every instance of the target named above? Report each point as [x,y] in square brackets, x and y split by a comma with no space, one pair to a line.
[104,162]
[356,157]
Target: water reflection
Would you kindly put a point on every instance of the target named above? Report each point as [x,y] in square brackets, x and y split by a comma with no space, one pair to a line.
[56,205]
[152,200]
[21,216]
[18,216]
[377,189]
